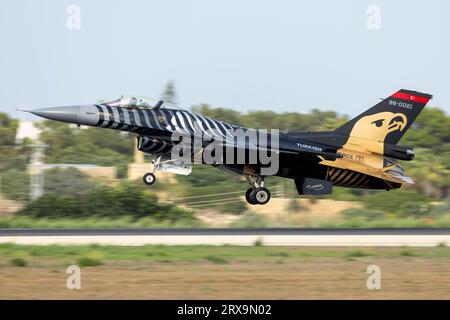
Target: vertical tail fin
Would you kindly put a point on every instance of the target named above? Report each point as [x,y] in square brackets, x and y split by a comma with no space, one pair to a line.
[388,120]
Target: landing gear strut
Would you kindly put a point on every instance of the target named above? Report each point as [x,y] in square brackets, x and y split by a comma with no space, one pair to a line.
[150,178]
[257,194]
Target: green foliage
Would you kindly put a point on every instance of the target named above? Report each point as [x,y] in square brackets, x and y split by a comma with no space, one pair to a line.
[15,184]
[216,259]
[366,214]
[11,156]
[67,181]
[389,222]
[440,209]
[430,168]
[222,114]
[414,209]
[430,130]
[357,253]
[380,205]
[14,158]
[237,207]
[199,253]
[88,262]
[258,242]
[68,144]
[18,262]
[397,202]
[290,121]
[406,252]
[207,180]
[8,128]
[181,220]
[169,95]
[102,201]
[204,176]
[345,194]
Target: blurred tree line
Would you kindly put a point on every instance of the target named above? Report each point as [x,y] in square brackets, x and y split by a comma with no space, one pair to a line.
[70,144]
[315,120]
[127,199]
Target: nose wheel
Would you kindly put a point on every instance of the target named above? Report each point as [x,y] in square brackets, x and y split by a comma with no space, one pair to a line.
[257,194]
[149,178]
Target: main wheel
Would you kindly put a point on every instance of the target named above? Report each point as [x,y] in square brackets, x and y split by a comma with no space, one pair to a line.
[261,195]
[149,178]
[249,196]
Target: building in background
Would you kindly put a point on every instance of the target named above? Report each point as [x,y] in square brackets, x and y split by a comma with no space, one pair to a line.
[37,166]
[27,129]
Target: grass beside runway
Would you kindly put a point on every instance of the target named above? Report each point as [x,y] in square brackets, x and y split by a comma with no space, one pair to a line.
[93,222]
[99,254]
[224,272]
[243,221]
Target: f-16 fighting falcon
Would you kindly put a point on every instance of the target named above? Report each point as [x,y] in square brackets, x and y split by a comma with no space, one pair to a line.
[363,153]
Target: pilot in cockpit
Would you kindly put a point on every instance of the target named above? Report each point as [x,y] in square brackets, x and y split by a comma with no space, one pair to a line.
[133,103]
[143,104]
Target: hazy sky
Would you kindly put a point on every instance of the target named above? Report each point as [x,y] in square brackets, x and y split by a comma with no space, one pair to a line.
[245,55]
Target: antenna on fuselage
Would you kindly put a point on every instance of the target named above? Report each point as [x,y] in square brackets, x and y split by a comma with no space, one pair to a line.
[159,104]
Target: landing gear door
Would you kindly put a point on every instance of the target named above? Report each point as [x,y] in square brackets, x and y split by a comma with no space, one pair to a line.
[183,169]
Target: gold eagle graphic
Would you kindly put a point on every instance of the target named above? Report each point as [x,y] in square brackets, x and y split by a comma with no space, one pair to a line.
[377,126]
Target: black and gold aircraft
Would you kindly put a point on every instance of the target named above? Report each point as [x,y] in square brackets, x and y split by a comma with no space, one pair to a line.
[362,153]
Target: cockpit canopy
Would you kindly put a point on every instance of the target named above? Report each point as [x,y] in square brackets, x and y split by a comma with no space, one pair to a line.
[138,102]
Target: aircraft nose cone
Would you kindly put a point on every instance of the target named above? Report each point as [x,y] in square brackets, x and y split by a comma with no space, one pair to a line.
[66,114]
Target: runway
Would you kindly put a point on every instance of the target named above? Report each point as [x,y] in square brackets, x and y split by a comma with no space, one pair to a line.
[227,236]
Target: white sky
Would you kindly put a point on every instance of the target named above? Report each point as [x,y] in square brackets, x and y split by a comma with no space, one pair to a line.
[245,55]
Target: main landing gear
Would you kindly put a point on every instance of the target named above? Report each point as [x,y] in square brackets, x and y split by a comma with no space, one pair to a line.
[257,194]
[150,178]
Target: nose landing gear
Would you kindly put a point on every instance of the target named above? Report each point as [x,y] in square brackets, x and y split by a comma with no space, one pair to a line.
[150,178]
[257,194]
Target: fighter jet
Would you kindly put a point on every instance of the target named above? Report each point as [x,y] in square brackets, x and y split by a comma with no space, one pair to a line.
[363,153]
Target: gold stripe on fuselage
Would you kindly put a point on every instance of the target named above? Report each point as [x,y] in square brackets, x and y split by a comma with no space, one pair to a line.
[350,174]
[350,183]
[341,176]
